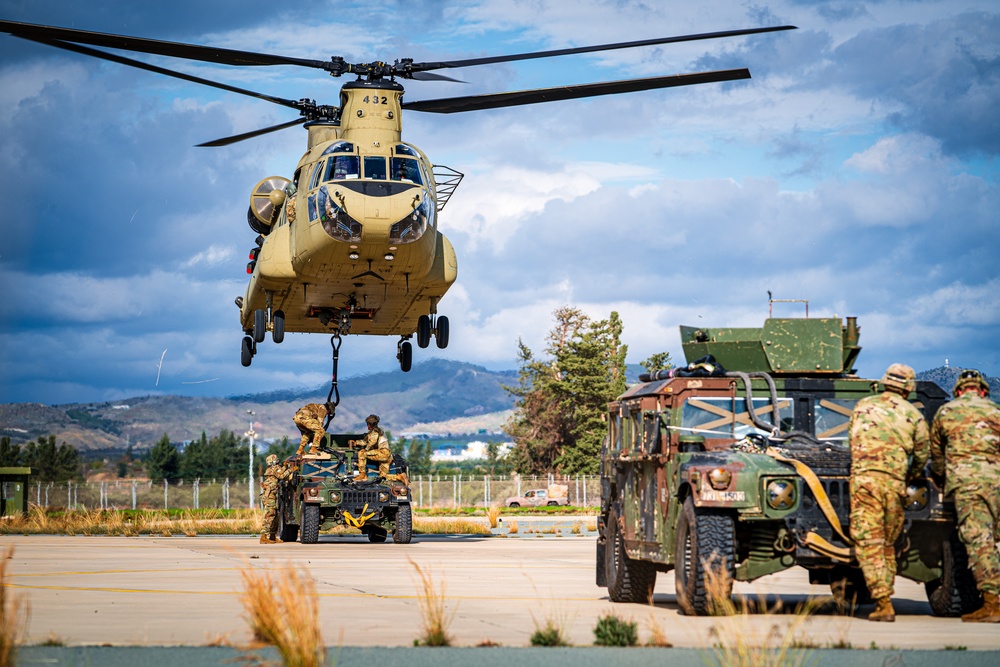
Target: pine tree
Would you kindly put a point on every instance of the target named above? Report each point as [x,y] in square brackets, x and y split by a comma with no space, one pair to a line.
[660,361]
[51,463]
[557,424]
[10,455]
[163,461]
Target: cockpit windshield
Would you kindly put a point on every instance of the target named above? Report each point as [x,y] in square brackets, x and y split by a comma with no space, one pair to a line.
[340,167]
[406,170]
[375,167]
[339,147]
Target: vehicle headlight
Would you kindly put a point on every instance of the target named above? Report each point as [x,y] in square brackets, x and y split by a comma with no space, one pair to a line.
[917,496]
[383,496]
[312,491]
[399,490]
[781,494]
[335,496]
[720,479]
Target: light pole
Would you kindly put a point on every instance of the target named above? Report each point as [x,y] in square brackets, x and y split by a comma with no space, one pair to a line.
[251,434]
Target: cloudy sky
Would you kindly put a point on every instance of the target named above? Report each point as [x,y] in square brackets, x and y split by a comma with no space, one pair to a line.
[857,169]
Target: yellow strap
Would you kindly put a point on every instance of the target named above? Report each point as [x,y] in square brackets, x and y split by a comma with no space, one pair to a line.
[821,546]
[806,473]
[361,519]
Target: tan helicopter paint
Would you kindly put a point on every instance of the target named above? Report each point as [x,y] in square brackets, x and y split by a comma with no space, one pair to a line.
[304,269]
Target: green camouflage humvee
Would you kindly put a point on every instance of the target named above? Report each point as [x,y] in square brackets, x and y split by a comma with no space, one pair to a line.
[746,471]
[323,494]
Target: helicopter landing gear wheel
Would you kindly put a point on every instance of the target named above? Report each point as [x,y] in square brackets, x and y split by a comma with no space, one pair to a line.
[441,332]
[278,326]
[405,356]
[246,353]
[423,331]
[259,325]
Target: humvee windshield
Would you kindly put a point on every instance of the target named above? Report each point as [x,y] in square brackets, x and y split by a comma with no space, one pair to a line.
[726,417]
[833,417]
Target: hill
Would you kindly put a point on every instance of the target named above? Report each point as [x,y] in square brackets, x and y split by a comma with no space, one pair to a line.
[436,396]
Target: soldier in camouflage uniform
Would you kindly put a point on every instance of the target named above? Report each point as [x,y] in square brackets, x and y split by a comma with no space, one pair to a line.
[274,474]
[309,419]
[889,444]
[375,447]
[965,440]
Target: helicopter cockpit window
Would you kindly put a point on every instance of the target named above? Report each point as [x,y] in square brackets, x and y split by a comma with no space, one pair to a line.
[375,167]
[339,147]
[406,170]
[341,167]
[403,149]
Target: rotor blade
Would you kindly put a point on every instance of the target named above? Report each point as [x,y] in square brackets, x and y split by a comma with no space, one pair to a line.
[46,33]
[535,96]
[591,49]
[256,133]
[122,60]
[431,76]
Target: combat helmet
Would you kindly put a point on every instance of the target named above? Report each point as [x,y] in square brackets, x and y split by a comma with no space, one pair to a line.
[372,420]
[900,378]
[272,459]
[970,378]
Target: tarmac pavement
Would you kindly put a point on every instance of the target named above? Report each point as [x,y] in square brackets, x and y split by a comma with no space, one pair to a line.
[184,591]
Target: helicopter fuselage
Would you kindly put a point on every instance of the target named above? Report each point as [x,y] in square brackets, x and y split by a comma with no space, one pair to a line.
[354,245]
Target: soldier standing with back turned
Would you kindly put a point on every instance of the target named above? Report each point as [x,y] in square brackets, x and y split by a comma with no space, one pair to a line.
[889,444]
[274,474]
[965,439]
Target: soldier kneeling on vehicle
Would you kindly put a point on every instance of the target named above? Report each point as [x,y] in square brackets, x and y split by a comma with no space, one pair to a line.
[374,446]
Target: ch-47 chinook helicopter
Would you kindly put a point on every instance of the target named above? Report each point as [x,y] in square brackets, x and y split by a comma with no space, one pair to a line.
[351,242]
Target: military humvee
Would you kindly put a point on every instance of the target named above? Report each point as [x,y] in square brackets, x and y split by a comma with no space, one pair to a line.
[323,494]
[747,470]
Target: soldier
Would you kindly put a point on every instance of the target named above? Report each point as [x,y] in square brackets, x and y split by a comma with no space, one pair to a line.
[375,447]
[274,474]
[889,444]
[309,419]
[965,440]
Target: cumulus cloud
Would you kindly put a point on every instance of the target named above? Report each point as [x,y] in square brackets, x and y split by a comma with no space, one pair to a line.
[854,170]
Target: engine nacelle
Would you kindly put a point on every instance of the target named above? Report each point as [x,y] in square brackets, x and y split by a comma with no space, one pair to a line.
[266,200]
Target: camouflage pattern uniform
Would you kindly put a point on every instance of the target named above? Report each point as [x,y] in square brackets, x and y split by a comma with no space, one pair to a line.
[374,446]
[309,419]
[889,444]
[275,473]
[965,444]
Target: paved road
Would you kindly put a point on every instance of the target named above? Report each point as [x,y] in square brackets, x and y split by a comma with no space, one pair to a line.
[157,591]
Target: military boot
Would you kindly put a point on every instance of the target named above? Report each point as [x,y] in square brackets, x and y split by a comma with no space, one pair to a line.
[883,611]
[403,478]
[361,477]
[988,613]
[264,539]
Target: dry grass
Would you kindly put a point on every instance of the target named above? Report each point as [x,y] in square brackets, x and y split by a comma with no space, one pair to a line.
[657,636]
[39,521]
[493,514]
[592,526]
[445,526]
[747,640]
[14,613]
[283,612]
[512,530]
[435,618]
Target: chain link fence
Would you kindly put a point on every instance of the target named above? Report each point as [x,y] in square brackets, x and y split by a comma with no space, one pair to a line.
[427,491]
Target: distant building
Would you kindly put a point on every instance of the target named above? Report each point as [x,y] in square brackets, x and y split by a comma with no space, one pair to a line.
[473,451]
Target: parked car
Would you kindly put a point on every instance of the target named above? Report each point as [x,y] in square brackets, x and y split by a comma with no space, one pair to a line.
[556,494]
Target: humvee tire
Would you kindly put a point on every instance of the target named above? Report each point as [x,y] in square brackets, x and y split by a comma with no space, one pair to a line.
[376,534]
[705,539]
[628,580]
[310,524]
[404,525]
[287,532]
[955,593]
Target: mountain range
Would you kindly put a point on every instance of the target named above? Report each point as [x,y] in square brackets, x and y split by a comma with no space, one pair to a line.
[440,398]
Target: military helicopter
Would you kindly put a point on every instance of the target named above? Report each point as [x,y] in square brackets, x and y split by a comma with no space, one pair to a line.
[350,244]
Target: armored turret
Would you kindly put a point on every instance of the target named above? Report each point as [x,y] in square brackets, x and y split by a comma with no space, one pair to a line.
[822,346]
